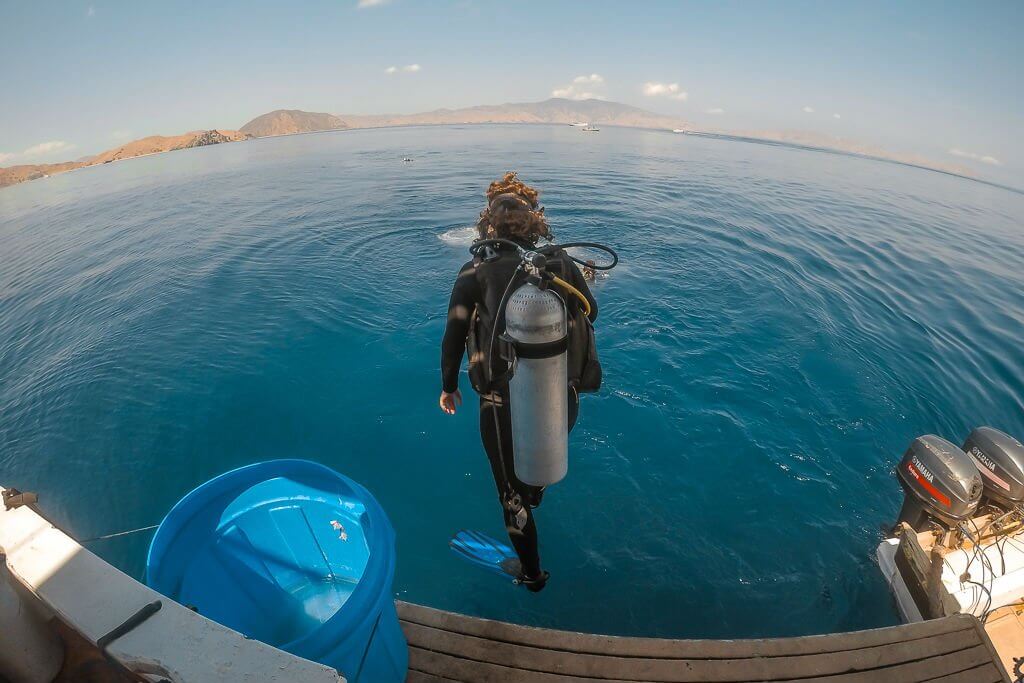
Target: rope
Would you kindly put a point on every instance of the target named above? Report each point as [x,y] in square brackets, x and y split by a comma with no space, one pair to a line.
[120,533]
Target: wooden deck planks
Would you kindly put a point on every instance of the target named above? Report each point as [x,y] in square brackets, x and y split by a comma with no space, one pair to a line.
[656,647]
[670,669]
[986,673]
[420,677]
[447,647]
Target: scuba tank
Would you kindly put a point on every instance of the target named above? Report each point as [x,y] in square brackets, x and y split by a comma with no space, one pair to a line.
[535,344]
[536,327]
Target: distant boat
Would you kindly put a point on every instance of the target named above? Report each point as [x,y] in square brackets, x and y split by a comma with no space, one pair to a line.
[680,130]
[407,159]
[589,129]
[579,124]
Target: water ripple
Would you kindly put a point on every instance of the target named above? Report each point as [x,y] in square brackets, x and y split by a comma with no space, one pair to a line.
[782,324]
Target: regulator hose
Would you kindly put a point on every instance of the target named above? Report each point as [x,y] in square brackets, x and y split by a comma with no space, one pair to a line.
[579,295]
[477,246]
[494,329]
[592,245]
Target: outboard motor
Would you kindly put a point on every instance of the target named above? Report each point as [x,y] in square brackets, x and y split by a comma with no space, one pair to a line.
[536,326]
[1000,459]
[941,483]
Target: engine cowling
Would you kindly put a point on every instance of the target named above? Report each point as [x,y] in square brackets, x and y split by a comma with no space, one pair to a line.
[940,482]
[1000,459]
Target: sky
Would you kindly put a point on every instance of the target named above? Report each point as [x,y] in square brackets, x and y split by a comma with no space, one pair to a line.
[943,80]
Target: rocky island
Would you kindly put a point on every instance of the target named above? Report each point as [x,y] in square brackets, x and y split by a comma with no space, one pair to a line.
[154,144]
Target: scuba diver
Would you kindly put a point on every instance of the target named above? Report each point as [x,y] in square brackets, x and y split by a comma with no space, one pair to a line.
[509,230]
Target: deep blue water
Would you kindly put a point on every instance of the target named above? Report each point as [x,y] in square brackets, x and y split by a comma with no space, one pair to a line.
[783,323]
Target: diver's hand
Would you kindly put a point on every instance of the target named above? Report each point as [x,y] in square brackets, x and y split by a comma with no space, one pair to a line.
[449,402]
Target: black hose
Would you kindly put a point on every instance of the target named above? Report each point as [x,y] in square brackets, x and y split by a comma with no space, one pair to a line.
[480,244]
[477,246]
[591,245]
[494,328]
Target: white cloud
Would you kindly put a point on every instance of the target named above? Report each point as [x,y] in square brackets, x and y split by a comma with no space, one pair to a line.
[983,158]
[808,110]
[671,90]
[46,148]
[836,116]
[715,110]
[408,68]
[371,3]
[581,88]
[43,149]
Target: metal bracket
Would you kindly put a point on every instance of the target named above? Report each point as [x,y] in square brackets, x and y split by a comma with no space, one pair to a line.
[13,498]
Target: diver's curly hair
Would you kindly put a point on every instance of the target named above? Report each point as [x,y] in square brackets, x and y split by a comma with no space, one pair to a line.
[525,222]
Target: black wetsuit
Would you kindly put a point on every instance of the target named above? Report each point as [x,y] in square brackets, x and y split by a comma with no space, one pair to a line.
[479,287]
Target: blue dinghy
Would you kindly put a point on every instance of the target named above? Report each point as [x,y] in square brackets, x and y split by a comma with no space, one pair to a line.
[291,553]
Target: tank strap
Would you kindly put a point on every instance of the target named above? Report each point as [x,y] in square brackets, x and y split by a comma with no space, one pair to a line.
[542,349]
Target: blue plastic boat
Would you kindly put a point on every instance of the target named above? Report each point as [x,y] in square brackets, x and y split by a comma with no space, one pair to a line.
[291,553]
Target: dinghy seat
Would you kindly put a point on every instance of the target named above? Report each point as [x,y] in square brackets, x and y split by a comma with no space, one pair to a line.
[446,647]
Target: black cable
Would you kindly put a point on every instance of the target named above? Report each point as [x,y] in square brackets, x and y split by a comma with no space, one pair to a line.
[985,563]
[1006,538]
[988,593]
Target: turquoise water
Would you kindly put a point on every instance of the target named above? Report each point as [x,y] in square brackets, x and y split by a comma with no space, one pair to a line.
[783,323]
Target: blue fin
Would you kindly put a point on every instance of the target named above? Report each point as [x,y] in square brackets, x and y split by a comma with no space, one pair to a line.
[483,551]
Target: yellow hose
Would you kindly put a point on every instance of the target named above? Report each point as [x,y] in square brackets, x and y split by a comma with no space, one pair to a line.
[562,283]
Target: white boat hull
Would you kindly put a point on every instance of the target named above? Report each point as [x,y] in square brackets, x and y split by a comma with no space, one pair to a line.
[93,598]
[1002,575]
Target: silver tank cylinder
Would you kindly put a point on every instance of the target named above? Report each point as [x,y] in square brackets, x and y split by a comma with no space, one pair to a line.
[538,390]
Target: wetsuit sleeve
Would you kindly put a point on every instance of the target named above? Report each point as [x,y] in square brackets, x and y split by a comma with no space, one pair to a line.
[465,297]
[577,280]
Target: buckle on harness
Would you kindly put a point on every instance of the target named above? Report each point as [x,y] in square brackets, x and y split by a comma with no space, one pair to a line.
[506,348]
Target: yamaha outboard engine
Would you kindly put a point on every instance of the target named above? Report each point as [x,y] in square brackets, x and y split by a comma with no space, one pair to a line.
[940,482]
[536,325]
[1000,459]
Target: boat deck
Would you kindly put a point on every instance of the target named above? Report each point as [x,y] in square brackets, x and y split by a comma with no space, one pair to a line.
[446,647]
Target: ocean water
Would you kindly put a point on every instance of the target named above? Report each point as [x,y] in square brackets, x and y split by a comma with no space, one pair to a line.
[782,325]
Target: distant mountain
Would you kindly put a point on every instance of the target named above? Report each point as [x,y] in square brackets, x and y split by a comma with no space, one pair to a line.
[159,143]
[554,110]
[19,174]
[151,145]
[289,121]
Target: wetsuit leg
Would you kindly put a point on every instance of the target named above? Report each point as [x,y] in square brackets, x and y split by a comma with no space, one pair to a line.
[512,493]
[517,499]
